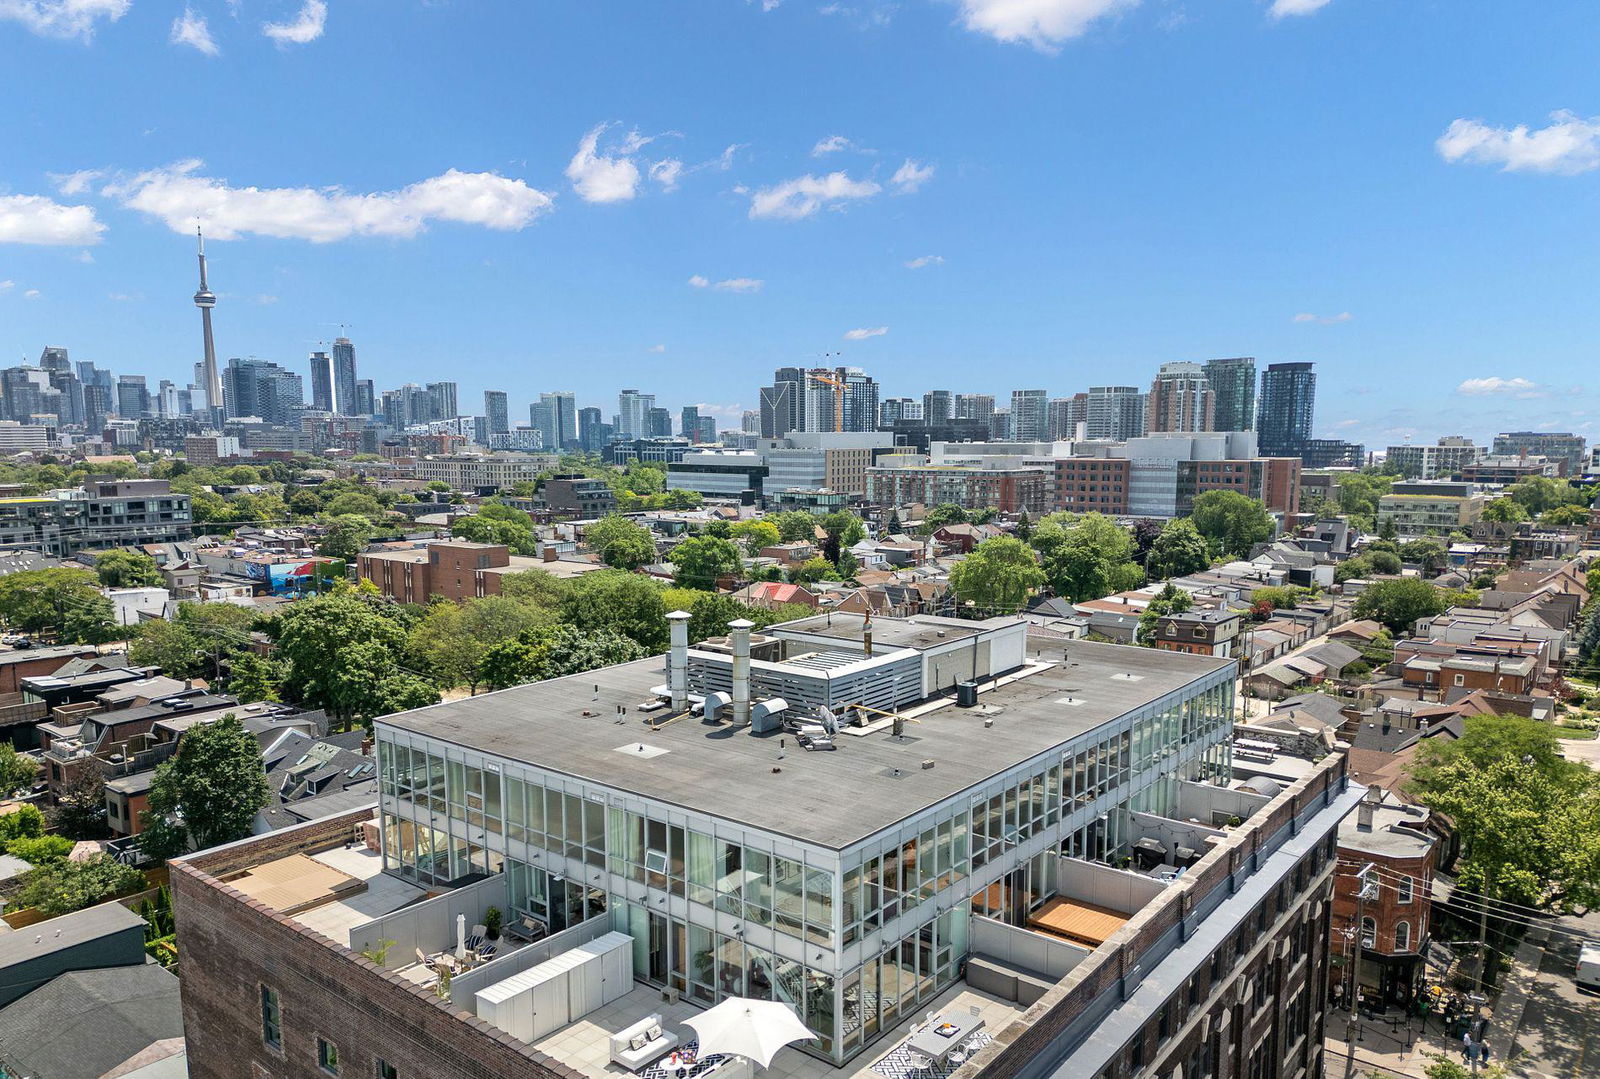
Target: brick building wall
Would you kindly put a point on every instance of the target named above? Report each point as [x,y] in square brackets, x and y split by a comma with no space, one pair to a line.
[1097,484]
[233,946]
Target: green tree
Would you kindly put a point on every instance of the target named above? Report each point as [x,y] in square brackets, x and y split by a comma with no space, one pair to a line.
[1024,527]
[999,575]
[894,527]
[63,887]
[1278,598]
[1566,516]
[552,652]
[1352,569]
[479,528]
[254,678]
[343,654]
[1358,493]
[24,821]
[625,603]
[210,791]
[813,570]
[1529,821]
[1170,600]
[535,587]
[354,502]
[795,525]
[1399,602]
[1536,494]
[17,771]
[127,569]
[757,534]
[64,599]
[1384,562]
[1230,522]
[1177,552]
[347,536]
[621,542]
[80,809]
[1505,511]
[1086,557]
[844,528]
[946,513]
[701,561]
[451,640]
[44,849]
[1428,553]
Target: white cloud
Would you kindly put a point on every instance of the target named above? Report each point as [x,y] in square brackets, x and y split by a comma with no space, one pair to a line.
[667,172]
[805,195]
[1323,320]
[35,219]
[925,260]
[1570,145]
[731,284]
[83,256]
[303,29]
[863,334]
[63,18]
[265,299]
[1044,24]
[7,286]
[123,297]
[831,145]
[1284,8]
[609,176]
[656,348]
[75,183]
[191,30]
[31,294]
[766,5]
[180,196]
[1494,385]
[910,176]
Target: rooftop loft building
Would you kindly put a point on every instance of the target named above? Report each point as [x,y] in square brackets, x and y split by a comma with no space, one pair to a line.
[101,513]
[1005,822]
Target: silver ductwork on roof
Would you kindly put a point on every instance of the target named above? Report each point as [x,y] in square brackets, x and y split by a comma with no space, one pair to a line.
[678,660]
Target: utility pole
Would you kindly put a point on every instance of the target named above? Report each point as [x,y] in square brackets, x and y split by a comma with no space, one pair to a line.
[1369,890]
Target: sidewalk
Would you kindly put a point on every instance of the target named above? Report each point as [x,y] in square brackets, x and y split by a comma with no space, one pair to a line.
[1397,1047]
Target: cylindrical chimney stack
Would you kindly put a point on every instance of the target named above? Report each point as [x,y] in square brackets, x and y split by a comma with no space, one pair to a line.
[866,633]
[739,640]
[678,660]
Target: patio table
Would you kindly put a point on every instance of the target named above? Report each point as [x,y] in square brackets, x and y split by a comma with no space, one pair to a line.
[943,1034]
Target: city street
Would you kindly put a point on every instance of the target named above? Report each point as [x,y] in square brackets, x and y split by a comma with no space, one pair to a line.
[1560,1033]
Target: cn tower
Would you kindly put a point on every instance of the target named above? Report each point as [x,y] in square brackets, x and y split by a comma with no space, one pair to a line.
[205,300]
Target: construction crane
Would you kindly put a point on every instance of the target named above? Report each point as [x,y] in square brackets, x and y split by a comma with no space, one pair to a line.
[826,377]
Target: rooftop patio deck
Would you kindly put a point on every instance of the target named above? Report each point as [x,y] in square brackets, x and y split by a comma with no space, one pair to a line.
[585,1045]
[331,891]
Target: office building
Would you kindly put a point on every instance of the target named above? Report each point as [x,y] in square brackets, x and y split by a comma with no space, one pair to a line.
[1068,418]
[812,461]
[322,393]
[1441,461]
[442,400]
[782,403]
[663,450]
[556,414]
[1564,445]
[25,392]
[1287,407]
[938,406]
[1233,393]
[1181,400]
[98,403]
[898,408]
[133,397]
[347,394]
[658,422]
[1114,413]
[101,513]
[496,414]
[484,472]
[735,474]
[633,408]
[918,435]
[689,422]
[973,406]
[1030,415]
[593,432]
[707,430]
[862,888]
[259,388]
[1000,426]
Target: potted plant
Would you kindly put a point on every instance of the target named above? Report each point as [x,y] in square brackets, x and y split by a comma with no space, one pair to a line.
[491,923]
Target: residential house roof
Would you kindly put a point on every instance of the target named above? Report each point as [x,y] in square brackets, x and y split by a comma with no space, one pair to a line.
[86,1023]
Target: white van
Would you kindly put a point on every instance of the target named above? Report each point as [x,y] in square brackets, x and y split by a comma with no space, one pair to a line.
[1588,976]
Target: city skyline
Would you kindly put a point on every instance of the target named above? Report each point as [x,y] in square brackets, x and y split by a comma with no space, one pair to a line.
[788,220]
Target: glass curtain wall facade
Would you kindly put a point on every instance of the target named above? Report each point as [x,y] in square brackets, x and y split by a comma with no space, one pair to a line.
[853,939]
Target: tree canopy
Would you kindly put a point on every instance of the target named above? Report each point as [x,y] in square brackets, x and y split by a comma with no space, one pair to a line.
[998,576]
[621,542]
[1230,522]
[1086,557]
[551,652]
[208,793]
[344,653]
[1400,601]
[451,639]
[347,536]
[1176,551]
[127,569]
[626,603]
[65,599]
[702,561]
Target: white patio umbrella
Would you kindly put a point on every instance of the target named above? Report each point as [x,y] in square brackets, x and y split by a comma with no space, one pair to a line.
[755,1029]
[461,936]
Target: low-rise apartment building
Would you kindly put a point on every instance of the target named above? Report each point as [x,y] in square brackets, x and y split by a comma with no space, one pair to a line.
[101,513]
[484,472]
[1450,455]
[1419,508]
[1383,898]
[1076,809]
[1008,490]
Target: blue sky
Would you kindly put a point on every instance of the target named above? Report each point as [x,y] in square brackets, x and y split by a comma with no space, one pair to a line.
[682,195]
